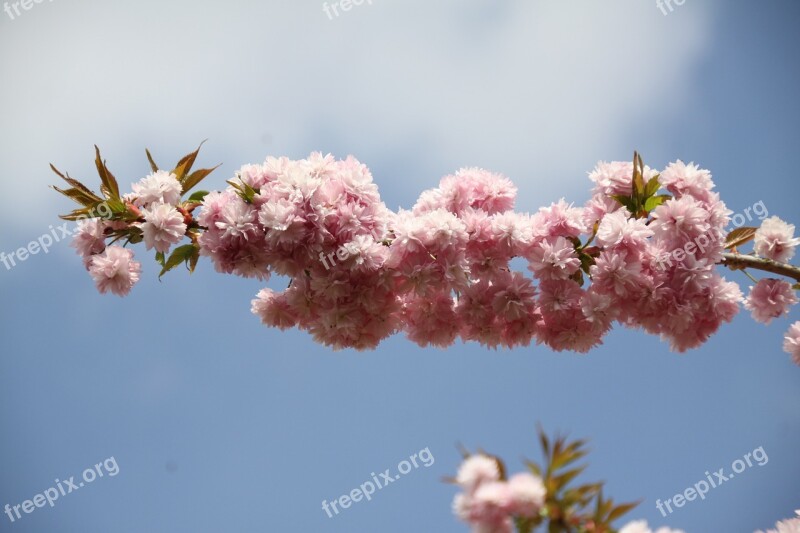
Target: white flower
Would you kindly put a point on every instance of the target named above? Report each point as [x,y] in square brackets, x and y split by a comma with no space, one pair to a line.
[775,240]
[527,494]
[475,470]
[157,187]
[163,227]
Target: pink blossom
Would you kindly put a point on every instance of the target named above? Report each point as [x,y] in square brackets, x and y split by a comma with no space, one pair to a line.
[115,270]
[682,179]
[622,232]
[491,506]
[476,470]
[237,219]
[791,342]
[431,320]
[775,240]
[159,186]
[618,274]
[90,238]
[256,176]
[680,220]
[616,177]
[559,220]
[274,310]
[553,258]
[469,188]
[163,226]
[527,494]
[770,298]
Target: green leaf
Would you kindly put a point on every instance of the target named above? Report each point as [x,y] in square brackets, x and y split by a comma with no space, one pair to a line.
[184,166]
[79,192]
[587,261]
[153,165]
[181,254]
[655,201]
[160,258]
[652,186]
[621,510]
[198,196]
[245,191]
[543,441]
[626,202]
[76,195]
[740,236]
[110,186]
[534,468]
[638,177]
[76,214]
[563,480]
[196,177]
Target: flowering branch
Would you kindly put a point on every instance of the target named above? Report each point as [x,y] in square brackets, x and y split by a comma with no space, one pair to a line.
[736,261]
[643,252]
[491,501]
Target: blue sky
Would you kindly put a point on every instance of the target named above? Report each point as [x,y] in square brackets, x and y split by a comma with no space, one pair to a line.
[219,424]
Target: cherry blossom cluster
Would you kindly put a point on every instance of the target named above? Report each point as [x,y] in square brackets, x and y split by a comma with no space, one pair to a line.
[155,199]
[442,271]
[490,504]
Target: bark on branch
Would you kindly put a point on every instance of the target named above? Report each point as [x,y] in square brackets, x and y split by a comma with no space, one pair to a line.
[740,262]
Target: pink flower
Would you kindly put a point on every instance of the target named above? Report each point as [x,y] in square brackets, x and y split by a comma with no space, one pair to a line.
[682,179]
[618,229]
[775,240]
[489,508]
[791,342]
[527,494]
[157,187]
[616,177]
[770,298]
[212,207]
[90,238]
[476,470]
[553,258]
[274,310]
[679,220]
[431,320]
[618,274]
[469,188]
[115,270]
[513,296]
[256,176]
[559,220]
[163,226]
[237,219]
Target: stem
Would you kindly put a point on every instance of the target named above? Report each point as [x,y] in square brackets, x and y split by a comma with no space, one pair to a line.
[740,262]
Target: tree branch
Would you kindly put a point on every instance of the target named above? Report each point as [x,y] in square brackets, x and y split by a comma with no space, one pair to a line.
[740,262]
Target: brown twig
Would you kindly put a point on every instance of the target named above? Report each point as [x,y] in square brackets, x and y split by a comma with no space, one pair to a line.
[740,262]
